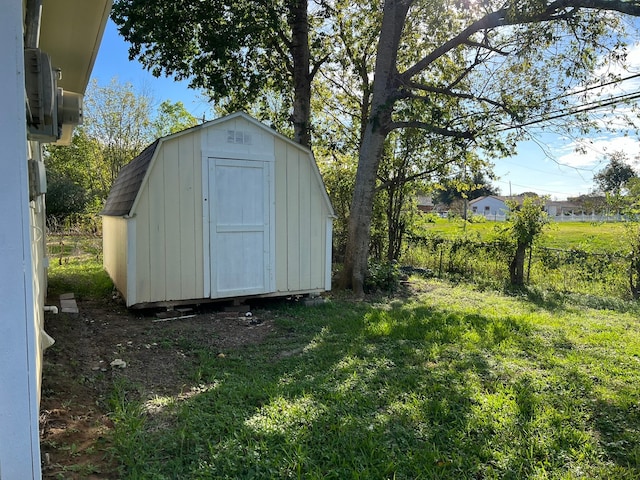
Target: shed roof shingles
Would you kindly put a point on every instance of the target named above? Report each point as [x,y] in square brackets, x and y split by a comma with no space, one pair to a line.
[125,188]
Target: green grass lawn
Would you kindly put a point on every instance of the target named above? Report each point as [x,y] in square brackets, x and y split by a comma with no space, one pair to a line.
[451,383]
[75,265]
[563,235]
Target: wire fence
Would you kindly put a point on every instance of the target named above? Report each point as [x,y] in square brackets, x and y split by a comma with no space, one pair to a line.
[575,271]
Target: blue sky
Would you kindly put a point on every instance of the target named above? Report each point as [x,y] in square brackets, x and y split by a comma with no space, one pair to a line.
[113,61]
[548,166]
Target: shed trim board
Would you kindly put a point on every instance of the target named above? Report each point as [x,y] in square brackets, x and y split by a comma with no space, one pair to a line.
[131,256]
[328,254]
[206,224]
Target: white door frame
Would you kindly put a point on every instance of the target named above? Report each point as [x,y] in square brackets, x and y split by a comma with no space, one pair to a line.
[209,221]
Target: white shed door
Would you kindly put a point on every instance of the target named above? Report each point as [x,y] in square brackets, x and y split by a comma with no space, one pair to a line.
[240,251]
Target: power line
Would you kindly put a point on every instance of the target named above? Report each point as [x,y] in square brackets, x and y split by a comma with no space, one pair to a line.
[625,97]
[576,110]
[594,87]
[529,187]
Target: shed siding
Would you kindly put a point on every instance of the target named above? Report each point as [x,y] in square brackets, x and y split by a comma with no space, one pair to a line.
[170,159]
[293,221]
[300,222]
[142,250]
[187,217]
[157,231]
[217,140]
[169,236]
[115,251]
[282,224]
[304,180]
[172,237]
[316,245]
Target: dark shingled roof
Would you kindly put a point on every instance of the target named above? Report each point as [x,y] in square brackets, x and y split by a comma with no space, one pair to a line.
[125,189]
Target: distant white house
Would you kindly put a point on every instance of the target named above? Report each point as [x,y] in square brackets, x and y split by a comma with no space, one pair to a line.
[559,208]
[490,206]
[495,207]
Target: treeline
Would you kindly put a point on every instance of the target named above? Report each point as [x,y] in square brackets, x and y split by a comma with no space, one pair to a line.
[119,122]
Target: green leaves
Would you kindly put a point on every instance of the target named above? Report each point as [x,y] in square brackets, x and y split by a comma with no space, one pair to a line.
[172,118]
[526,221]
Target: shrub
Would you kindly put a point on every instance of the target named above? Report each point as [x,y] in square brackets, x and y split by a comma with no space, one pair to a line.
[383,276]
[477,218]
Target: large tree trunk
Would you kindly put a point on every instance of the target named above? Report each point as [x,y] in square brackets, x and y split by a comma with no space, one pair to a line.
[300,53]
[360,214]
[385,87]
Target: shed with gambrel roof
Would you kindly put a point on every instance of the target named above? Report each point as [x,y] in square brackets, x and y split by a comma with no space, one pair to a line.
[227,209]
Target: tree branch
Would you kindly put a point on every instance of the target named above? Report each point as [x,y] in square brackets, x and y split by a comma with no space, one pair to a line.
[446,91]
[317,65]
[411,178]
[485,46]
[287,43]
[554,11]
[432,129]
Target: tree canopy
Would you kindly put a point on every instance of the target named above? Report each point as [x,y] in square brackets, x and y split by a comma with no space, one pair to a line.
[237,52]
[479,69]
[119,122]
[613,178]
[468,75]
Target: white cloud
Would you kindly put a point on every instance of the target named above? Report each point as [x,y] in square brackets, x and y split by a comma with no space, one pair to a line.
[591,152]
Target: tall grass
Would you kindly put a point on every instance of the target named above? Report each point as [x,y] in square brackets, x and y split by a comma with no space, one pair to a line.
[597,237]
[579,258]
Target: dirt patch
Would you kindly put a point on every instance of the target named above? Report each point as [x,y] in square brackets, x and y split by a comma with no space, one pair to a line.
[78,373]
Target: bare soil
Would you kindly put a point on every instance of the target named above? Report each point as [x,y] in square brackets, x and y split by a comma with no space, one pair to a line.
[78,374]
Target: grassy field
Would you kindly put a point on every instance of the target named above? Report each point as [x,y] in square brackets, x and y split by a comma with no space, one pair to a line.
[75,265]
[451,383]
[584,258]
[605,237]
[446,382]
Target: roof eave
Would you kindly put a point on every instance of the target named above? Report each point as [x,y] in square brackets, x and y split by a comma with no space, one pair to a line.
[71,32]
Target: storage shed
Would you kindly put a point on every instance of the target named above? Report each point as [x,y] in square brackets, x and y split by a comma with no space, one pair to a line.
[227,209]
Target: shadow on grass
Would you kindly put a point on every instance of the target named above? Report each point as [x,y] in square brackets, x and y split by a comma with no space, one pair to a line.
[409,392]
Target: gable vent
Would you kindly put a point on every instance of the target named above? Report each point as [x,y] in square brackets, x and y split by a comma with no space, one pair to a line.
[239,137]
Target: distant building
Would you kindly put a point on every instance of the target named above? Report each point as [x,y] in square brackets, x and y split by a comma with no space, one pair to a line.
[492,205]
[425,203]
[496,206]
[559,208]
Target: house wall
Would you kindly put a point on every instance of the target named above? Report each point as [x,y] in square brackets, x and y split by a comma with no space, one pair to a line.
[496,206]
[21,281]
[39,265]
[168,252]
[114,251]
